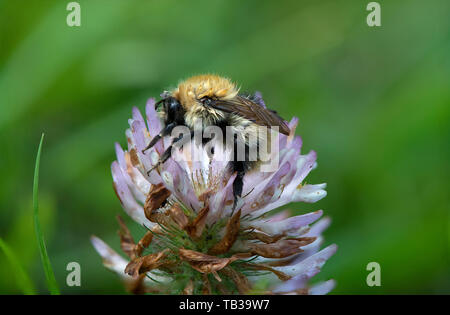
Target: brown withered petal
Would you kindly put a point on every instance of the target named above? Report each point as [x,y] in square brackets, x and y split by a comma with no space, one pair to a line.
[157,229]
[241,281]
[189,288]
[282,262]
[178,216]
[206,290]
[144,242]
[222,289]
[216,275]
[146,263]
[206,195]
[161,218]
[131,160]
[155,198]
[263,237]
[279,249]
[134,159]
[231,233]
[195,228]
[126,240]
[136,286]
[281,275]
[205,263]
[303,240]
[288,260]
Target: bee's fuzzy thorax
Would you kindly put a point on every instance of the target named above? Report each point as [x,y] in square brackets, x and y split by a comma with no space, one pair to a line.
[194,88]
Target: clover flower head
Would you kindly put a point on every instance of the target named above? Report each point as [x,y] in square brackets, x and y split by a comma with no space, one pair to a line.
[194,241]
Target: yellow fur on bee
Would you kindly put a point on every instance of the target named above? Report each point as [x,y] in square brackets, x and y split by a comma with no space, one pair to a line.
[193,89]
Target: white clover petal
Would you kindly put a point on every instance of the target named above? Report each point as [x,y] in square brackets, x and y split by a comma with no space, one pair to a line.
[294,284]
[322,288]
[117,263]
[111,259]
[309,193]
[129,204]
[292,224]
[311,265]
[168,179]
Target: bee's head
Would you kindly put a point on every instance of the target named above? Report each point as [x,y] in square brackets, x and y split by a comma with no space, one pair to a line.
[171,109]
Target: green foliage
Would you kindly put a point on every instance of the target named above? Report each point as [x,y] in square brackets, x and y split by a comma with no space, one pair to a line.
[372,102]
[50,277]
[23,280]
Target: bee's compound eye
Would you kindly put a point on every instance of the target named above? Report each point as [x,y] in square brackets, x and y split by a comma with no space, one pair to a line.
[173,103]
[206,101]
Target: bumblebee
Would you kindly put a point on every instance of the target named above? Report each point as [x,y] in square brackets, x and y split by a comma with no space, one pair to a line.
[211,100]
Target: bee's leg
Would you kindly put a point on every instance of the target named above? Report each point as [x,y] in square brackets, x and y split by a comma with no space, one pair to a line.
[238,184]
[168,152]
[239,167]
[164,132]
[164,157]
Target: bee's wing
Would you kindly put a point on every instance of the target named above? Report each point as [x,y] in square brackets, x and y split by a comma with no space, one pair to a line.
[253,112]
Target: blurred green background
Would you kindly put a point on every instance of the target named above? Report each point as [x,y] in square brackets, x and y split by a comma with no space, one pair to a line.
[373,102]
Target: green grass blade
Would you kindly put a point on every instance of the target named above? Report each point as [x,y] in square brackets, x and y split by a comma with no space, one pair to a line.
[23,280]
[49,275]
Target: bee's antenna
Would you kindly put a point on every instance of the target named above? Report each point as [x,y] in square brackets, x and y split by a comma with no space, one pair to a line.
[159,102]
